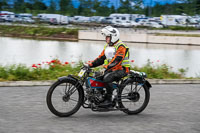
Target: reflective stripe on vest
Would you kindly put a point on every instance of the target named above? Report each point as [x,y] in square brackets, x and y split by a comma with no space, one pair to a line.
[125,61]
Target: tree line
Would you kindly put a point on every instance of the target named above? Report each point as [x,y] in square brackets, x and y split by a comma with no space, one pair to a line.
[101,8]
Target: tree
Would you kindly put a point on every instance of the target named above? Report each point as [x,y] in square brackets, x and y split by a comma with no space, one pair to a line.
[86,7]
[198,6]
[80,9]
[38,5]
[112,9]
[188,6]
[158,10]
[64,5]
[52,7]
[125,6]
[101,8]
[131,6]
[19,6]
[96,6]
[138,6]
[66,8]
[3,4]
[105,10]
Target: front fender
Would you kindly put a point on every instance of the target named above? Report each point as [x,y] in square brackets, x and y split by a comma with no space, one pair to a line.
[70,77]
[148,84]
[77,84]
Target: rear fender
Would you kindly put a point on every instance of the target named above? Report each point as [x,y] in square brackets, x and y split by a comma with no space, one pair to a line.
[128,81]
[131,80]
[134,79]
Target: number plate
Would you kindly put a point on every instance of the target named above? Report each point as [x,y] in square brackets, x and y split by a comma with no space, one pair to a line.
[81,73]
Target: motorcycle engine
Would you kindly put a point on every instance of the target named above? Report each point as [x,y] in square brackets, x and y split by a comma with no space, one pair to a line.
[96,96]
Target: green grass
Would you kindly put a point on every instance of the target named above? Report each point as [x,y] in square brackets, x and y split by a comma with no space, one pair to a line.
[37,31]
[181,28]
[54,69]
[51,71]
[183,35]
[162,71]
[175,28]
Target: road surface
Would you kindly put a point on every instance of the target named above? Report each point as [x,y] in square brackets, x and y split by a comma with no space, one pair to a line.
[172,109]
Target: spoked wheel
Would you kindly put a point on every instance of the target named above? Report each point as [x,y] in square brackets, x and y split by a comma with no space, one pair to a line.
[134,99]
[64,98]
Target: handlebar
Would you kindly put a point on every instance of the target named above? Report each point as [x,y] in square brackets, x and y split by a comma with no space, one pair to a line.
[86,67]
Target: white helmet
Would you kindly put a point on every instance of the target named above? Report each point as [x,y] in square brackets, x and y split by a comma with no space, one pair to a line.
[112,32]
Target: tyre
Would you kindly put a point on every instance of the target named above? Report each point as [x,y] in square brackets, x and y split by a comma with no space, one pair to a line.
[133,99]
[64,98]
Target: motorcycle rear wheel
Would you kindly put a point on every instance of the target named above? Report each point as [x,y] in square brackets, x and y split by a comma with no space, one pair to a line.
[134,101]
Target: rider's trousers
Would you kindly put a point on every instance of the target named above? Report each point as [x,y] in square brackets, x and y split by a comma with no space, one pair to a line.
[109,77]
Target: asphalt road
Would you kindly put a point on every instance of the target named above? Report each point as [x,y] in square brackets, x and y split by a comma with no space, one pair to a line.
[172,109]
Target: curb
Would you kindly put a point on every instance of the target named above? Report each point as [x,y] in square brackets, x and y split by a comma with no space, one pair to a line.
[25,83]
[48,83]
[174,81]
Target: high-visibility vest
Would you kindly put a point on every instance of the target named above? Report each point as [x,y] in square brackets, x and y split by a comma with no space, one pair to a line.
[125,62]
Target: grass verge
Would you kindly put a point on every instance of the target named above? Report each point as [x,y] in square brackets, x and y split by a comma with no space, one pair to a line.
[38,32]
[183,35]
[54,69]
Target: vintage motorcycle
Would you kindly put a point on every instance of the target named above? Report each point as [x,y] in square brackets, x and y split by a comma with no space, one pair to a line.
[130,95]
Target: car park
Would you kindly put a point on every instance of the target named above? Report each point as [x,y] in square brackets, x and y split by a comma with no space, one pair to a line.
[115,19]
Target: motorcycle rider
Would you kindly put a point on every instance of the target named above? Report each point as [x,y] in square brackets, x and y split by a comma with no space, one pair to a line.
[115,57]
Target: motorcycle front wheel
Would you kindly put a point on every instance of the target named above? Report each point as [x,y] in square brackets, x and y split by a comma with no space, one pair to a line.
[64,98]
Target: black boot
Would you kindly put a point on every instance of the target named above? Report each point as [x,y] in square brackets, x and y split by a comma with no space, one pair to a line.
[108,100]
[107,103]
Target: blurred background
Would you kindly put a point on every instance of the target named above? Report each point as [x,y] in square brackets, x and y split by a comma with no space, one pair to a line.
[157,31]
[143,12]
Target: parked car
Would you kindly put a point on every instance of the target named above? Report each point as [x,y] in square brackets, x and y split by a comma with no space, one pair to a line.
[7,18]
[142,22]
[2,20]
[153,24]
[107,20]
[139,20]
[25,15]
[100,19]
[81,19]
[94,18]
[126,24]
[28,20]
[53,21]
[18,19]
[59,18]
[125,17]
[133,23]
[122,24]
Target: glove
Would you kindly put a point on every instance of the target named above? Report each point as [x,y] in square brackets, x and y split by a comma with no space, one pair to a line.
[86,65]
